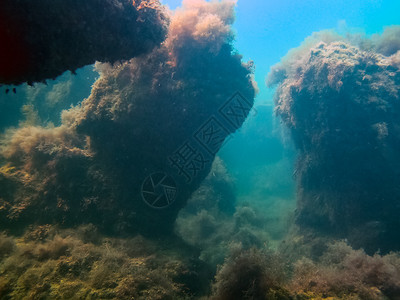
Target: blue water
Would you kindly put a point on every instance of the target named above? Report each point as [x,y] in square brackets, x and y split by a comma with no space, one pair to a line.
[266,30]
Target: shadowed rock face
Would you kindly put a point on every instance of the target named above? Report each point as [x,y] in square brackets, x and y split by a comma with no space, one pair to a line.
[42,39]
[342,106]
[149,131]
[164,113]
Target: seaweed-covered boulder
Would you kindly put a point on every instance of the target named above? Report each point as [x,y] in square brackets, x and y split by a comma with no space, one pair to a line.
[157,122]
[129,157]
[42,39]
[341,103]
[251,274]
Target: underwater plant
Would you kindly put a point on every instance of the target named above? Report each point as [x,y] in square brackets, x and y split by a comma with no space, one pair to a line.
[212,221]
[52,263]
[42,104]
[348,274]
[250,274]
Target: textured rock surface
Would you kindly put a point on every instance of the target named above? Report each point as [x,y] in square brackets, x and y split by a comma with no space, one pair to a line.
[342,105]
[162,114]
[42,39]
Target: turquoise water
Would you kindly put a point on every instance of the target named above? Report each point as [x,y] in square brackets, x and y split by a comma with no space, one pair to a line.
[266,30]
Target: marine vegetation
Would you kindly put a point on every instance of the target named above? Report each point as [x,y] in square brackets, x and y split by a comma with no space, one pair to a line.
[80,263]
[42,104]
[49,261]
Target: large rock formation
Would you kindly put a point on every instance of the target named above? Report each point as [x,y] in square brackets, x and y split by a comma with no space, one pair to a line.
[340,100]
[41,39]
[131,154]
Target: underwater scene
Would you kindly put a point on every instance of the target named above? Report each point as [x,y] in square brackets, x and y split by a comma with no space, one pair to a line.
[193,149]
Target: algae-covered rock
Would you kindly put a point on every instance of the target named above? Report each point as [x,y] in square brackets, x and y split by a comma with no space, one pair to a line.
[42,39]
[130,155]
[250,274]
[341,104]
[157,122]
